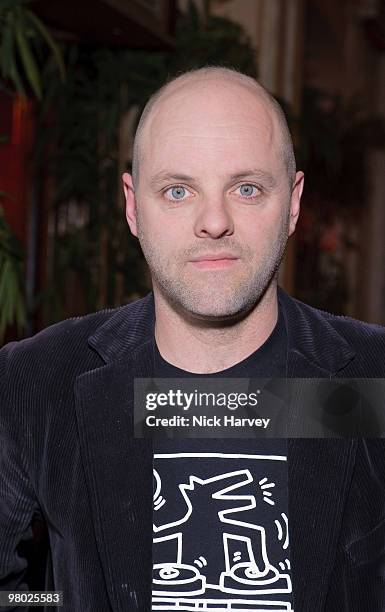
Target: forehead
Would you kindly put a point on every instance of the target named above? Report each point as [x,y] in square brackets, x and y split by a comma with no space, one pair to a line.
[209,122]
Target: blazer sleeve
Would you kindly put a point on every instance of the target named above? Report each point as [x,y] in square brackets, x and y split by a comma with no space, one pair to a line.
[358,577]
[18,503]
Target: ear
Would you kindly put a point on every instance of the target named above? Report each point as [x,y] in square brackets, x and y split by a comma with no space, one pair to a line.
[295,201]
[130,203]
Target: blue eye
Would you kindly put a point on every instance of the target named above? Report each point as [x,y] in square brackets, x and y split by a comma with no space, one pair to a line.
[247,190]
[176,193]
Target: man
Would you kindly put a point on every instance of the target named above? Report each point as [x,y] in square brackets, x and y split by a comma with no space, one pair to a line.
[213,198]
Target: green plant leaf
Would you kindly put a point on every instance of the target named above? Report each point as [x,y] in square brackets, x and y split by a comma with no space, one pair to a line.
[5,292]
[29,63]
[9,65]
[12,301]
[50,42]
[3,279]
[7,46]
[15,76]
[12,304]
[7,5]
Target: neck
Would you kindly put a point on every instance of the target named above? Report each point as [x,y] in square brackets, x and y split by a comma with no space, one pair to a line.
[202,347]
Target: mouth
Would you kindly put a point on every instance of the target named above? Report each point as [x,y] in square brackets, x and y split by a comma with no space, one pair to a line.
[214,261]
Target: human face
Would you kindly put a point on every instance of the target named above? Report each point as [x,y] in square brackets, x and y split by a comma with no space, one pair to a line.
[214,208]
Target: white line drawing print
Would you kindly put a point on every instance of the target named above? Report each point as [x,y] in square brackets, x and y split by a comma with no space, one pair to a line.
[280,532]
[285,564]
[264,485]
[244,579]
[158,499]
[246,576]
[176,578]
[200,562]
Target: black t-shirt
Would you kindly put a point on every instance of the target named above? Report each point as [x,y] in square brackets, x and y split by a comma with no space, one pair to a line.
[220,535]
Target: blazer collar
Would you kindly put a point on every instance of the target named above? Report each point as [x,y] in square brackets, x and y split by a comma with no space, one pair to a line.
[128,328]
[315,348]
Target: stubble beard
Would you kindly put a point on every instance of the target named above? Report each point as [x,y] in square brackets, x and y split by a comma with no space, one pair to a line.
[216,295]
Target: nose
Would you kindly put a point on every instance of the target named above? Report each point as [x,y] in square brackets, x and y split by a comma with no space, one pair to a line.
[214,219]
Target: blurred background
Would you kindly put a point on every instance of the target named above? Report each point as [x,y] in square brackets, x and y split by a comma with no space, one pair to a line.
[74,77]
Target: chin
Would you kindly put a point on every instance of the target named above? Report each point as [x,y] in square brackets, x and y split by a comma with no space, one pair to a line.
[213,304]
[229,311]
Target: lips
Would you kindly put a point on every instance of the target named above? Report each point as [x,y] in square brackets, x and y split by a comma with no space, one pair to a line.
[215,257]
[211,261]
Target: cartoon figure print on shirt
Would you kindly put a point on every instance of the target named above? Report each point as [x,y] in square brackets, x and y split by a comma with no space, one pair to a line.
[220,533]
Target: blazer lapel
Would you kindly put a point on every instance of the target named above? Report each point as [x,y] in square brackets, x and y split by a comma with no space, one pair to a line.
[118,471]
[315,348]
[118,467]
[320,470]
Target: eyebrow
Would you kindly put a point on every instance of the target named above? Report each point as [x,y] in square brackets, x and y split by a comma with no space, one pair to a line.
[163,177]
[261,175]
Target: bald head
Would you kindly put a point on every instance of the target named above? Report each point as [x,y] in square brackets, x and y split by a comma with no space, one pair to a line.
[199,80]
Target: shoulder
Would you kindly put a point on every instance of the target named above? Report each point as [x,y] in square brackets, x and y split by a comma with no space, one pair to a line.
[354,329]
[306,316]
[367,341]
[41,369]
[38,374]
[65,345]
[356,332]
[334,340]
[53,343]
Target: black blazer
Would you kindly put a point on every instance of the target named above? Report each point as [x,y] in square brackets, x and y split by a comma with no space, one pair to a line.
[67,451]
